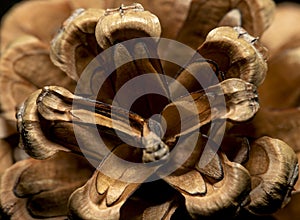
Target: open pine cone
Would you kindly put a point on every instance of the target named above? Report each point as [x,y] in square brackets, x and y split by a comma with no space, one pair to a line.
[59,115]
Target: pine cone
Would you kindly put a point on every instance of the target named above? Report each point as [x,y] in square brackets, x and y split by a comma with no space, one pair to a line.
[147,111]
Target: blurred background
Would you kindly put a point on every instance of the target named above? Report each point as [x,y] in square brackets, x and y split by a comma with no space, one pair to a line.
[6,4]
